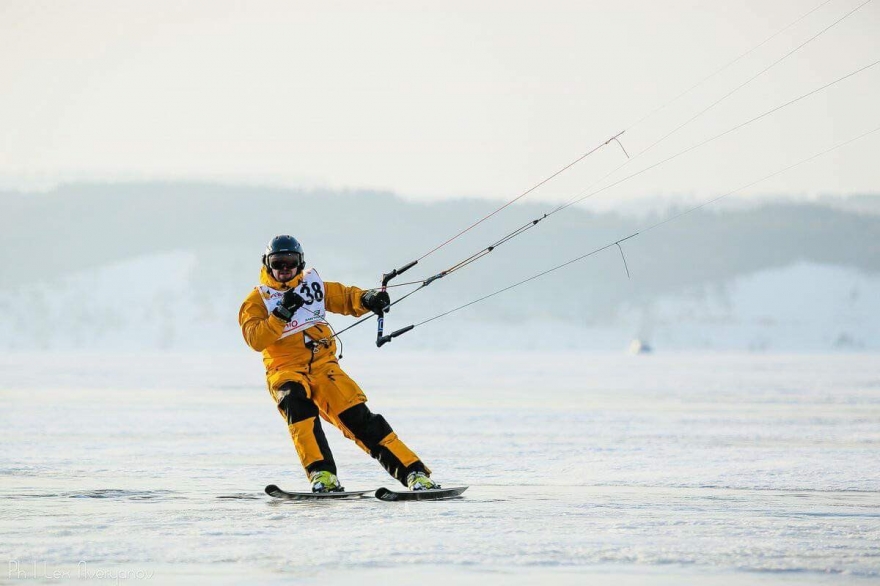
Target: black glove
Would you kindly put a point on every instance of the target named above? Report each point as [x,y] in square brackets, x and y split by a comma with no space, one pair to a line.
[376,301]
[290,302]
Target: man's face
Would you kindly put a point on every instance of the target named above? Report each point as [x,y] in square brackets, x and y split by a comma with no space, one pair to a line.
[284,266]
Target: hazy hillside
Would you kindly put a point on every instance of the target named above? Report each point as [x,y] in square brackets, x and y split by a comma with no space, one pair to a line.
[166,265]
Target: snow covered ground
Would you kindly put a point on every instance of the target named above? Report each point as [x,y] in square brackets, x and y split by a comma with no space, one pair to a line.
[583,468]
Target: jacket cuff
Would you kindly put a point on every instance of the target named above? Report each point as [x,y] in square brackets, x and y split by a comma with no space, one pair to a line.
[357,304]
[277,323]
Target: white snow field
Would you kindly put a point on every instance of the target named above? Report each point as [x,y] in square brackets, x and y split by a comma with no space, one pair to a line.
[804,307]
[592,468]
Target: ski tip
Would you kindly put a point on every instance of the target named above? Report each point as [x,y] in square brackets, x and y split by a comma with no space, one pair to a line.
[386,494]
[272,488]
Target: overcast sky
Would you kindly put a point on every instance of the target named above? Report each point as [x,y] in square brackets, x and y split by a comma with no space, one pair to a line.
[433,100]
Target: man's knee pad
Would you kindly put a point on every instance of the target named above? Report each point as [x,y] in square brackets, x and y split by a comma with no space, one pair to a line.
[296,406]
[369,428]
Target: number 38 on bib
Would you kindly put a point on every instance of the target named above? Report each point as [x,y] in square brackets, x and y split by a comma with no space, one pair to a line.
[311,289]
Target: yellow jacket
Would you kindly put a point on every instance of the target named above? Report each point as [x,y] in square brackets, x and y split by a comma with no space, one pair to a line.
[289,358]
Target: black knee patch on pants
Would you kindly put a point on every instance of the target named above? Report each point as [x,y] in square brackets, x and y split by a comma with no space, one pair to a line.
[369,428]
[296,405]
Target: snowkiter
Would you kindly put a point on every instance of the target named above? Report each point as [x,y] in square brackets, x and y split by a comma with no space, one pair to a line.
[284,318]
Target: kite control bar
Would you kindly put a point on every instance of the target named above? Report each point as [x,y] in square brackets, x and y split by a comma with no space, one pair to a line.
[381,340]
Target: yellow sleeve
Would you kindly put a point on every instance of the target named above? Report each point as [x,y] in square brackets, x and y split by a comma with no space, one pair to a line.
[260,330]
[344,300]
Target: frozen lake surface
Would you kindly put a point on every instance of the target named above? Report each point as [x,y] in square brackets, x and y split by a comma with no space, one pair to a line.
[659,469]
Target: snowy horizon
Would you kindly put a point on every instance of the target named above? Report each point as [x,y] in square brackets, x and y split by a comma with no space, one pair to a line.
[781,276]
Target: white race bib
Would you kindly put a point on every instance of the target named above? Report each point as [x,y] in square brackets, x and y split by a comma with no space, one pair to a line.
[313,312]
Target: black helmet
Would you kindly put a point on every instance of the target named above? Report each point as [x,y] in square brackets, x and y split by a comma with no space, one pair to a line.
[285,245]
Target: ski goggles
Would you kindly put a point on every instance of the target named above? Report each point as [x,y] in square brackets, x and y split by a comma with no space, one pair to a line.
[280,262]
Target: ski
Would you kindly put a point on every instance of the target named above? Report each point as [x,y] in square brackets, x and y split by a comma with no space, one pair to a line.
[276,492]
[419,495]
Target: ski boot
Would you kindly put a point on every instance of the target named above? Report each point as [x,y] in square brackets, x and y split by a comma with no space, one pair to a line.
[418,480]
[324,481]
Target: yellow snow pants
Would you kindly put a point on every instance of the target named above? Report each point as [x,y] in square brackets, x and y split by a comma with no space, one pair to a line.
[326,392]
